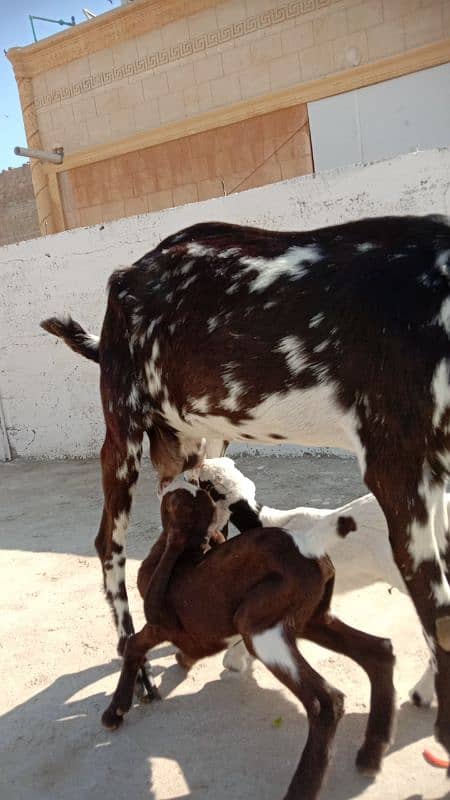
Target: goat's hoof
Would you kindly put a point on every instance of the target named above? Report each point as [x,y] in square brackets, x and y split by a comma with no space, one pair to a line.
[422,694]
[112,718]
[369,758]
[144,687]
[146,694]
[418,700]
[151,695]
[185,661]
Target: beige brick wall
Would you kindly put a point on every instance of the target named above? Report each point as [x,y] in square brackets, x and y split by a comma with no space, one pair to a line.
[279,44]
[18,215]
[236,157]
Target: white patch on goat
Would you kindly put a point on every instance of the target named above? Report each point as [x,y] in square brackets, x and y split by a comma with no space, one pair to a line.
[133,397]
[440,390]
[232,288]
[351,426]
[273,650]
[316,320]
[186,267]
[152,326]
[115,576]
[136,318]
[122,472]
[443,318]
[441,529]
[422,545]
[364,247]
[292,348]
[91,341]
[431,646]
[293,263]
[228,480]
[179,482]
[303,416]
[229,253]
[299,519]
[443,263]
[212,323]
[134,450]
[188,282]
[152,372]
[200,404]
[119,534]
[322,346]
[441,592]
[234,388]
[321,536]
[198,250]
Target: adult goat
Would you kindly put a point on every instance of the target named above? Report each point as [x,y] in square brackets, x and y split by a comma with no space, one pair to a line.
[337,336]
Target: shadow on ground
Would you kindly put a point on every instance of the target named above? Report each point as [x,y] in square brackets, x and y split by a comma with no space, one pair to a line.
[218,743]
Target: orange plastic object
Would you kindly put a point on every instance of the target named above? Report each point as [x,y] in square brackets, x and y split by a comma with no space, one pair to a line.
[435,761]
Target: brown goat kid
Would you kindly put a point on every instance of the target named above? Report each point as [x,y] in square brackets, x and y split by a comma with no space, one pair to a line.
[261,587]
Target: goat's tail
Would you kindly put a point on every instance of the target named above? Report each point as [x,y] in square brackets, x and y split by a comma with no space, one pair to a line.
[83,343]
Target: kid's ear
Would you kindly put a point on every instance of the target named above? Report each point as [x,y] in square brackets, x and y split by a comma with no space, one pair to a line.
[176,536]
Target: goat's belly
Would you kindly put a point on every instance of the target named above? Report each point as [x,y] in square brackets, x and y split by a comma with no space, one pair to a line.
[306,417]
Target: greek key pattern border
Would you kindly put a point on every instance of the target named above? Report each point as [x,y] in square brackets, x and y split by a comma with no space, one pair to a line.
[199,44]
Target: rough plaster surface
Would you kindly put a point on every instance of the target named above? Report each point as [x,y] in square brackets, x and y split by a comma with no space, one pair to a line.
[50,396]
[211,738]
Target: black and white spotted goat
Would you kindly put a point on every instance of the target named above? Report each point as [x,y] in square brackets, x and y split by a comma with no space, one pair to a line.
[338,336]
[235,497]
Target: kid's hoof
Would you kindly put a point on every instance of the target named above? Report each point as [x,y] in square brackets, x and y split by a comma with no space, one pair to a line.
[369,758]
[144,688]
[184,660]
[112,718]
[150,695]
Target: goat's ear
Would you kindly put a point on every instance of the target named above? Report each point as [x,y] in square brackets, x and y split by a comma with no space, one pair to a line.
[345,525]
[176,537]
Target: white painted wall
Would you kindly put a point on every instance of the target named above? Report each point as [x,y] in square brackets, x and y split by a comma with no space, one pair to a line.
[381,121]
[49,395]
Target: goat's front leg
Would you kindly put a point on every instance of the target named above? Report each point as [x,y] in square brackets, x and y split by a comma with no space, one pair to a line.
[133,660]
[414,515]
[376,657]
[120,459]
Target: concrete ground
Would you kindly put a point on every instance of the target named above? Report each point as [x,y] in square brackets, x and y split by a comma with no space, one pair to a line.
[212,737]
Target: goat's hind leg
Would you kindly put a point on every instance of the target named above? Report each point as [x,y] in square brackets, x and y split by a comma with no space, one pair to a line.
[120,458]
[268,638]
[324,705]
[376,657]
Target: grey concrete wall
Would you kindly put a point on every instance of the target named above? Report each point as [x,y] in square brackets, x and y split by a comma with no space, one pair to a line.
[50,396]
[381,121]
